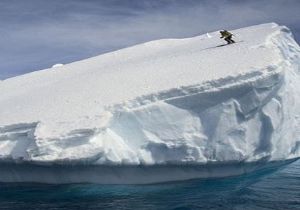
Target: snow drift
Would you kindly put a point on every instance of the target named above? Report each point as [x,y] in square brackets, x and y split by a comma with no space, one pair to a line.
[164,110]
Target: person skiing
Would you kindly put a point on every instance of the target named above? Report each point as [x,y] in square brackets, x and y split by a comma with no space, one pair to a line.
[227,36]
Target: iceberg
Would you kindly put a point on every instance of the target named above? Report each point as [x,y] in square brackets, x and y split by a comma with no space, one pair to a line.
[165,110]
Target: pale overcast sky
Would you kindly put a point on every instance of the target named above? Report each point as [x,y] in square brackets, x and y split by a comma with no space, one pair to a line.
[35,34]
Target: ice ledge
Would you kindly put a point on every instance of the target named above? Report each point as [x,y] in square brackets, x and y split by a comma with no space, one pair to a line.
[233,119]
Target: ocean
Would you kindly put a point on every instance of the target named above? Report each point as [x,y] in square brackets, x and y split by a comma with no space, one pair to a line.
[271,189]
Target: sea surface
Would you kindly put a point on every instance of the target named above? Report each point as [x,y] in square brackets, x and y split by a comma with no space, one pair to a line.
[272,189]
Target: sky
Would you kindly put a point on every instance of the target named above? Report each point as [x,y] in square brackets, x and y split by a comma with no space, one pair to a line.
[36,34]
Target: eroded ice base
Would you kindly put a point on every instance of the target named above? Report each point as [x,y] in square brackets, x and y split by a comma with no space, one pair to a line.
[104,174]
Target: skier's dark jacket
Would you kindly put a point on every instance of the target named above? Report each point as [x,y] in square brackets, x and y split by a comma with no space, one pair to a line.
[225,34]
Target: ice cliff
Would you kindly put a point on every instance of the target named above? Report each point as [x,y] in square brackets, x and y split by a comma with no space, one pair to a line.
[159,111]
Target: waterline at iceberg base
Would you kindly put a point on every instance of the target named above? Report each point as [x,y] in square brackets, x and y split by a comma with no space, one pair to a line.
[161,111]
[267,189]
[62,174]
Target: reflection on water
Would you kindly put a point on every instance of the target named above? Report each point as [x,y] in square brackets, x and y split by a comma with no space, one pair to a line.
[272,189]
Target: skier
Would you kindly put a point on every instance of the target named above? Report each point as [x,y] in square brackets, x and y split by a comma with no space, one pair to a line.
[227,36]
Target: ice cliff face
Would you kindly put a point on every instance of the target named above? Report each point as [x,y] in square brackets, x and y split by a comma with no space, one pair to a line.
[174,102]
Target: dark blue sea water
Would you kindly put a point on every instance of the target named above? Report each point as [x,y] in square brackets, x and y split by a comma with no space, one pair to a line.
[272,189]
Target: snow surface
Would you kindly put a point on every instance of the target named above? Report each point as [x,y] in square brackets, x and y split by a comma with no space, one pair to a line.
[171,102]
[57,65]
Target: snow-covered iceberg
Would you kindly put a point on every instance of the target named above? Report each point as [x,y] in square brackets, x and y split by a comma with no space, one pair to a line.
[164,110]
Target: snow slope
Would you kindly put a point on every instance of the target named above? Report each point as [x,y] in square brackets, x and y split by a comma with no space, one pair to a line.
[167,103]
